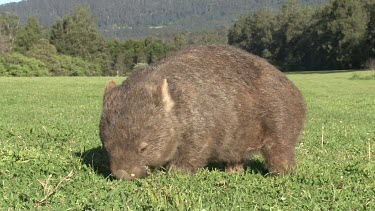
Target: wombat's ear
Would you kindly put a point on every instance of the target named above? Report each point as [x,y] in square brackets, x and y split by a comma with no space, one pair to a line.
[166,97]
[109,86]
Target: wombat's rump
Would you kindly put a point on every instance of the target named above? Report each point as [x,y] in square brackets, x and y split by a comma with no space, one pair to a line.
[204,104]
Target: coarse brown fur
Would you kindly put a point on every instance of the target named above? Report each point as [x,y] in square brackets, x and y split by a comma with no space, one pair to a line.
[201,105]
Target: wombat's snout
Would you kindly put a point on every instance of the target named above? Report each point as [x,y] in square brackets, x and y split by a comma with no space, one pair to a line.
[137,172]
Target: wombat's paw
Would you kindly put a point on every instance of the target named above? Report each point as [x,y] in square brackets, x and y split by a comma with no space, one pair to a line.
[234,167]
[281,170]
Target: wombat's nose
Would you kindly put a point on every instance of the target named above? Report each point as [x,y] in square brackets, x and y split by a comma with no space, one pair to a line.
[138,172]
[121,174]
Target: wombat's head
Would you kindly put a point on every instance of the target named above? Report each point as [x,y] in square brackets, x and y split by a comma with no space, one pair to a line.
[137,128]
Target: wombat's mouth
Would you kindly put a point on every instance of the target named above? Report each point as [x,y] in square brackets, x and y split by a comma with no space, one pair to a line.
[137,172]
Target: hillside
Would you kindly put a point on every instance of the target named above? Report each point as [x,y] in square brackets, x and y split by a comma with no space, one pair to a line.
[140,18]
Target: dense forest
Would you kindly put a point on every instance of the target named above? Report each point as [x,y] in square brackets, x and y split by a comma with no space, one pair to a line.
[339,35]
[141,18]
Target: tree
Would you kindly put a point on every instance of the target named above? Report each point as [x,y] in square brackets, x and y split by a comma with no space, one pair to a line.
[254,33]
[332,37]
[42,50]
[179,41]
[120,67]
[292,20]
[340,30]
[236,34]
[77,35]
[155,50]
[9,25]
[128,54]
[369,44]
[28,35]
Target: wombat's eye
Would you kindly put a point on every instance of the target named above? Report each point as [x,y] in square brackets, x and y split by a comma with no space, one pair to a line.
[143,146]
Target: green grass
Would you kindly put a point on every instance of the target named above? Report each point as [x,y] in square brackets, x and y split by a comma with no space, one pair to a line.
[50,155]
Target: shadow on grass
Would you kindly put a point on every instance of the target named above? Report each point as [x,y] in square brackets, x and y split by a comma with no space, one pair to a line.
[252,166]
[97,159]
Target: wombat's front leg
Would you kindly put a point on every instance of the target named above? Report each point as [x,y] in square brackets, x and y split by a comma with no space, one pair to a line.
[189,159]
[234,167]
[279,159]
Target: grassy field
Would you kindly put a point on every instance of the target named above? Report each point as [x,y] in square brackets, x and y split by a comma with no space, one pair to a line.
[50,155]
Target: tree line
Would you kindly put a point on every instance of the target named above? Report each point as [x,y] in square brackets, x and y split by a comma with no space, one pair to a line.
[141,18]
[73,46]
[339,35]
[70,47]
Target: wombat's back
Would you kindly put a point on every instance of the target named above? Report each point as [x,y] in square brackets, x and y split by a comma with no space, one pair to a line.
[203,64]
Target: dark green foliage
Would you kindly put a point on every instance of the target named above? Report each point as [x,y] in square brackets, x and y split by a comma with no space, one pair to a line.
[127,54]
[62,65]
[339,33]
[155,50]
[369,44]
[292,21]
[274,36]
[254,34]
[337,36]
[43,60]
[76,34]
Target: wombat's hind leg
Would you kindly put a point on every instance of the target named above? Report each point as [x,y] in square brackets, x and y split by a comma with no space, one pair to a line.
[234,167]
[279,159]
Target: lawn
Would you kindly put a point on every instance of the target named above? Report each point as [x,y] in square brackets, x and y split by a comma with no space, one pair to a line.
[50,155]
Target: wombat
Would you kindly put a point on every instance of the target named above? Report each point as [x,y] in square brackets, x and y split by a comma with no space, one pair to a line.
[201,105]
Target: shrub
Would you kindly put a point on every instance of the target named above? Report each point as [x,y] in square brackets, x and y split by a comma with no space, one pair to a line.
[61,65]
[3,71]
[365,75]
[72,66]
[15,64]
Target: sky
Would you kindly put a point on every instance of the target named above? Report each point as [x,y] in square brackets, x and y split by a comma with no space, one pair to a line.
[8,1]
